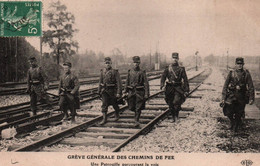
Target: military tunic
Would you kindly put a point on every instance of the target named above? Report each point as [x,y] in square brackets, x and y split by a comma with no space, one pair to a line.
[36,81]
[109,86]
[137,87]
[238,90]
[69,91]
[176,86]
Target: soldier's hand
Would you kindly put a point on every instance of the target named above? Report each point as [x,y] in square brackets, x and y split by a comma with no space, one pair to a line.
[251,102]
[46,87]
[186,94]
[27,90]
[118,95]
[125,94]
[161,87]
[222,103]
[146,97]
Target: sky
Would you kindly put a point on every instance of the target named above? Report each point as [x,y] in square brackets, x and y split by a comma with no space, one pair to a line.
[184,26]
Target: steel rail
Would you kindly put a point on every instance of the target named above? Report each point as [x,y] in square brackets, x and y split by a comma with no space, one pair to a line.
[54,86]
[35,146]
[149,126]
[23,120]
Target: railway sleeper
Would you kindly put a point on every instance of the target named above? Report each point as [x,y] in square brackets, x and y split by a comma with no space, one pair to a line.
[27,127]
[14,118]
[123,120]
[106,135]
[120,125]
[161,107]
[90,141]
[114,130]
[25,120]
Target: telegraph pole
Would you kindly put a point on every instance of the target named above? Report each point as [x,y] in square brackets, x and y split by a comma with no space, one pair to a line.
[227,59]
[16,60]
[196,56]
[150,57]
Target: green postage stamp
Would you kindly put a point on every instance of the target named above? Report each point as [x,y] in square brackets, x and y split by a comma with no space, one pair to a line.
[20,18]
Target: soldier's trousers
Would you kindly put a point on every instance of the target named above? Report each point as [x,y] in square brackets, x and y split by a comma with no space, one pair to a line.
[34,98]
[108,100]
[174,100]
[67,102]
[136,103]
[235,111]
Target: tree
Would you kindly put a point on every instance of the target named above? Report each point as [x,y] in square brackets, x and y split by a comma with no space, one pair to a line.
[117,57]
[59,36]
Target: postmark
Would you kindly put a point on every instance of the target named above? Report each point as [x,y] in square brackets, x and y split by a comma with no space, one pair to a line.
[20,18]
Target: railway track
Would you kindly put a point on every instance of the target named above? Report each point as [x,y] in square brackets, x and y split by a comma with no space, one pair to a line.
[21,90]
[114,135]
[84,93]
[14,117]
[54,85]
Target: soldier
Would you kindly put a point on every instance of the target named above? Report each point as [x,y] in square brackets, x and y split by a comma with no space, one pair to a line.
[37,85]
[177,86]
[110,89]
[238,91]
[68,91]
[136,89]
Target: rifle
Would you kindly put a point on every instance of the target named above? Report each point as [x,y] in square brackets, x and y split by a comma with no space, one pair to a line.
[120,100]
[66,92]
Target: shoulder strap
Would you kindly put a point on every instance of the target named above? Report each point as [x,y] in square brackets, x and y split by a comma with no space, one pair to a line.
[171,70]
[128,76]
[101,75]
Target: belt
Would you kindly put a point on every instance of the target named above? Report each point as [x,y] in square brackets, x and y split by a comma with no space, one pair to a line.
[110,85]
[173,83]
[35,82]
[135,87]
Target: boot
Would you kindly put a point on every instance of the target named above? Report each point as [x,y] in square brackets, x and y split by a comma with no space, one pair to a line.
[174,118]
[66,116]
[232,122]
[231,125]
[235,128]
[34,112]
[116,116]
[177,116]
[73,119]
[104,118]
[137,117]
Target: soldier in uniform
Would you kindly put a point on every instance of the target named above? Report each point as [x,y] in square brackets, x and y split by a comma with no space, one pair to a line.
[136,89]
[238,91]
[37,85]
[177,86]
[110,89]
[68,91]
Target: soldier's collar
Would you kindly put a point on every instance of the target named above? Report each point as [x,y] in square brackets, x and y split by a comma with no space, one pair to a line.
[108,68]
[137,68]
[34,66]
[175,64]
[67,73]
[240,69]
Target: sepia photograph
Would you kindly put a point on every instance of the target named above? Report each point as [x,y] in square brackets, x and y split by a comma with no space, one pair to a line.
[130,82]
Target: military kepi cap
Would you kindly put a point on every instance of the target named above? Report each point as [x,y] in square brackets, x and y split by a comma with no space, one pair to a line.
[136,59]
[107,59]
[239,60]
[32,58]
[67,64]
[175,55]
